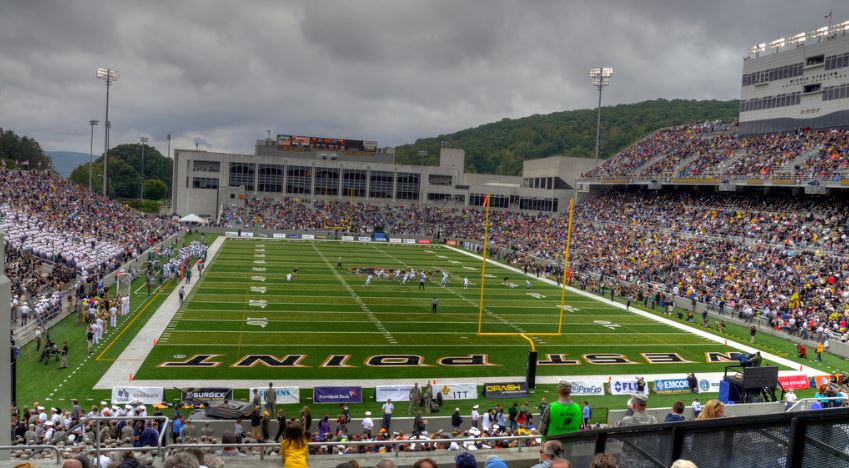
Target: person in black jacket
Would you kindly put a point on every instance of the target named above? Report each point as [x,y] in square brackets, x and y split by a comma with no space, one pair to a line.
[456,419]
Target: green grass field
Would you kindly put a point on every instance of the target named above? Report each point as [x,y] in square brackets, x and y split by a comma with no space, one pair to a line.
[244,306]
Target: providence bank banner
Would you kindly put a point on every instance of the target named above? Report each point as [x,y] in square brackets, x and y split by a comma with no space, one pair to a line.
[337,394]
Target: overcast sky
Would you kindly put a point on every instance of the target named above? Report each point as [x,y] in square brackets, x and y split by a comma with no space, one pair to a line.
[391,71]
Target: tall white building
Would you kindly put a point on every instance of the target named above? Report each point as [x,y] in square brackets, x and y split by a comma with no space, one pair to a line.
[796,82]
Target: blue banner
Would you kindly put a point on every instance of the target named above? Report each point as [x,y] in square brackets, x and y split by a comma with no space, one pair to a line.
[664,386]
[337,394]
[293,236]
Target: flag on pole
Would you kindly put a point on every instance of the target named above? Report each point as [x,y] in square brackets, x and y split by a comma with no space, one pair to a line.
[486,200]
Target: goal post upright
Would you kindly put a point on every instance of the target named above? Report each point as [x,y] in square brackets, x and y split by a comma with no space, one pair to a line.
[483,266]
[565,265]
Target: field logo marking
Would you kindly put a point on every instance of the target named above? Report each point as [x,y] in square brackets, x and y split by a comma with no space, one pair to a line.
[607,358]
[258,278]
[396,360]
[259,255]
[722,357]
[337,361]
[258,303]
[454,262]
[261,321]
[467,360]
[468,268]
[606,324]
[259,289]
[569,308]
[259,262]
[269,360]
[259,269]
[198,360]
[536,295]
[558,360]
[664,358]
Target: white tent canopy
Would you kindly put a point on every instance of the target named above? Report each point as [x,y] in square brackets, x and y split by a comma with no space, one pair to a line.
[193,218]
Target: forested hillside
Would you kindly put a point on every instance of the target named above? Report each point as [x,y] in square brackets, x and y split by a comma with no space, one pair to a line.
[500,147]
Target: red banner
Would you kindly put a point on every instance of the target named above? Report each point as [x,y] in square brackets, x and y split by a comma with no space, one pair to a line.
[424,241]
[452,242]
[794,382]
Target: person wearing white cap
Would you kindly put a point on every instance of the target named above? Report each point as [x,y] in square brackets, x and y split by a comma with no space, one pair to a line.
[48,432]
[476,416]
[368,424]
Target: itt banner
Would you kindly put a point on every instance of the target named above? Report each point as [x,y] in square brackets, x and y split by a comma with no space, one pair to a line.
[146,395]
[191,395]
[667,386]
[505,390]
[337,395]
[285,395]
[588,388]
[624,387]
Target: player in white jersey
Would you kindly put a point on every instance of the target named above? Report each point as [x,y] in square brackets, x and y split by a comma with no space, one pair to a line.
[465,282]
[444,279]
[113,316]
[397,274]
[528,284]
[380,273]
[289,277]
[368,280]
[125,305]
[405,279]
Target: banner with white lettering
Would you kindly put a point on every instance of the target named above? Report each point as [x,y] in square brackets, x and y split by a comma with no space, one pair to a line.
[394,240]
[409,241]
[364,239]
[347,238]
[709,385]
[505,390]
[669,386]
[191,395]
[231,233]
[278,235]
[308,236]
[588,388]
[247,234]
[625,387]
[285,395]
[146,395]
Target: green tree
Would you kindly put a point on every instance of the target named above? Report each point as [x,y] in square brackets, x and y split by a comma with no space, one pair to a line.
[155,189]
[125,172]
[22,152]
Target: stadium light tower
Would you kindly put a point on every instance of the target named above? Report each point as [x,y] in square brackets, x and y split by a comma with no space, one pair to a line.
[143,141]
[109,76]
[93,123]
[601,78]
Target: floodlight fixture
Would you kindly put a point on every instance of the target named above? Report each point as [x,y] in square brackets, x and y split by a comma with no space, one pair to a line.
[600,78]
[108,75]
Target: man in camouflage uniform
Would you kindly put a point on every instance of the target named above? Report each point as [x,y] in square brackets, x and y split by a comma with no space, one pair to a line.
[638,405]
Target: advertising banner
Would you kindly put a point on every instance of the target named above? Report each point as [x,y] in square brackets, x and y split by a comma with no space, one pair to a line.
[146,395]
[424,241]
[394,240]
[308,236]
[393,392]
[337,395]
[588,388]
[624,387]
[347,238]
[278,235]
[364,239]
[667,386]
[285,395]
[505,390]
[453,242]
[793,382]
[709,385]
[457,391]
[409,241]
[293,236]
[218,395]
[231,233]
[247,234]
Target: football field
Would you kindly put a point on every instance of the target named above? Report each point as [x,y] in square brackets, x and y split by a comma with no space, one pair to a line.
[244,320]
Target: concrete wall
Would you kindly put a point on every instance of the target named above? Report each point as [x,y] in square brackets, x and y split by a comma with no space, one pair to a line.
[747,409]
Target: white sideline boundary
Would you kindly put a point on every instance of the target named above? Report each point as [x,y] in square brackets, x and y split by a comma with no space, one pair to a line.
[809,371]
[131,359]
[137,351]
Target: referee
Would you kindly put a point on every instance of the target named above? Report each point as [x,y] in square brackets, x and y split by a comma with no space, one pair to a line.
[434,304]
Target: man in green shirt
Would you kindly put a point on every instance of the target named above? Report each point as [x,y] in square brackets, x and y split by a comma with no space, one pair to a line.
[562,416]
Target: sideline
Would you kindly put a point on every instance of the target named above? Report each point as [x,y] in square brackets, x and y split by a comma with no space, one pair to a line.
[809,371]
[131,359]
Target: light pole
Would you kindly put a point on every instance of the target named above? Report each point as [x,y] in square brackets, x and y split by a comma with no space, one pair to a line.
[601,78]
[143,141]
[169,145]
[422,154]
[91,151]
[109,76]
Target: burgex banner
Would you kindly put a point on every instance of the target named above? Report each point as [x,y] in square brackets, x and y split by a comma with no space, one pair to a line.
[189,395]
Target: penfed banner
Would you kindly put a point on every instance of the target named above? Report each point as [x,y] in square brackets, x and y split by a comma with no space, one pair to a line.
[337,394]
[191,395]
[505,390]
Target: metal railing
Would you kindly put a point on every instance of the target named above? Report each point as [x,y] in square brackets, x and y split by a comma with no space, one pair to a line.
[777,440]
[35,448]
[163,428]
[805,403]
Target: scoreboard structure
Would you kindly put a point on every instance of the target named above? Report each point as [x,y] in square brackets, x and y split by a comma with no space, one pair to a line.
[797,82]
[322,143]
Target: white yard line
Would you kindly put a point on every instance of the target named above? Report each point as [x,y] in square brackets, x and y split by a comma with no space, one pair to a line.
[810,371]
[131,359]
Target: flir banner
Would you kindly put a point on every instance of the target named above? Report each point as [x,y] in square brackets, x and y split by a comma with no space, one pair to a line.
[624,387]
[191,395]
[146,395]
[337,394]
[285,395]
[667,386]
[588,388]
[505,390]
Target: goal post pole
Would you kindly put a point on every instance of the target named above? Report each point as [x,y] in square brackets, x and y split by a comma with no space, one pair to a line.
[565,265]
[483,266]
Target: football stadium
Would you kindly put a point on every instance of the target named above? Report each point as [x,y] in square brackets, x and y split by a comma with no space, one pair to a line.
[327,301]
